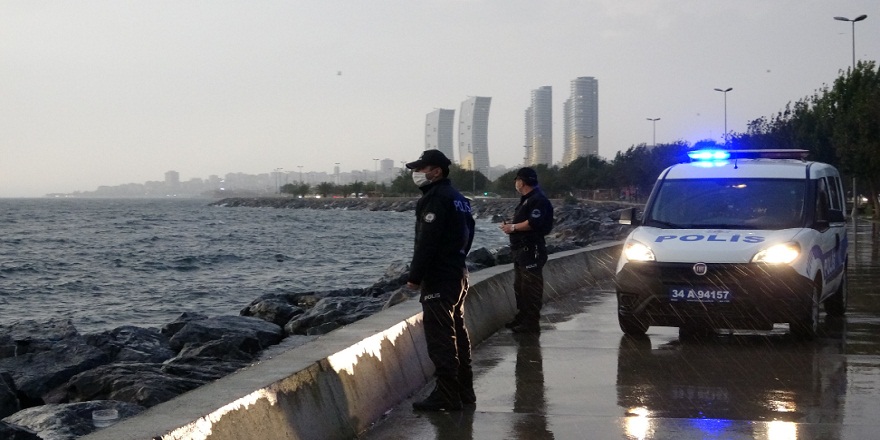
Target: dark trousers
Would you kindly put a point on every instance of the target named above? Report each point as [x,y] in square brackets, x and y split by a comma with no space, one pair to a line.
[528,284]
[449,345]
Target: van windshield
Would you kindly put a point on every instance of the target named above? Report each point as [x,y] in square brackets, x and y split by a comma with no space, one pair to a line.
[728,204]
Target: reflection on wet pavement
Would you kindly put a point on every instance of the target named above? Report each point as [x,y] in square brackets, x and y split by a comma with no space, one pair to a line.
[582,379]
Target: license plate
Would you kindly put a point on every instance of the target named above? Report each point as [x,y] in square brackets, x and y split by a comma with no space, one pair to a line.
[700,294]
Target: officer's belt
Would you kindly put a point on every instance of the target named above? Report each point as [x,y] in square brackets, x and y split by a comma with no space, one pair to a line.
[526,246]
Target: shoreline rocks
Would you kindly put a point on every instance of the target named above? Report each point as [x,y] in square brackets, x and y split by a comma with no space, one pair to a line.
[49,371]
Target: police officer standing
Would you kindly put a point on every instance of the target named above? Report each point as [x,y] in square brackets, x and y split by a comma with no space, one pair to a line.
[444,232]
[532,220]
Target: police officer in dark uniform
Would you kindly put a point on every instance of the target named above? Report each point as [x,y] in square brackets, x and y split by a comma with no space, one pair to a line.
[532,220]
[444,232]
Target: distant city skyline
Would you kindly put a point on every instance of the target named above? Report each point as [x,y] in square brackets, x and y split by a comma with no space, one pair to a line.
[263,183]
[539,128]
[581,120]
[439,129]
[473,133]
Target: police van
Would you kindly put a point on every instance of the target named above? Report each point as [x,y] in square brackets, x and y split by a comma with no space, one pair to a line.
[736,239]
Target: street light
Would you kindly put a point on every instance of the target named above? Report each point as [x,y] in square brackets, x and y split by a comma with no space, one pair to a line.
[854,20]
[654,122]
[725,110]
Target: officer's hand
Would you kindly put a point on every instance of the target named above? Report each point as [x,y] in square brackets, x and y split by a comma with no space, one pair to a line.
[412,286]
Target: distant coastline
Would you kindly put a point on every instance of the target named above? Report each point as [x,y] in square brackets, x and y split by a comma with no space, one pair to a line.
[481,207]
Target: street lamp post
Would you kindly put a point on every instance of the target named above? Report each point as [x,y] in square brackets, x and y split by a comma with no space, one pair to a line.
[725,110]
[654,122]
[853,21]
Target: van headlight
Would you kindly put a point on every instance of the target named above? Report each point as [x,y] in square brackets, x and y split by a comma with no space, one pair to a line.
[783,253]
[635,251]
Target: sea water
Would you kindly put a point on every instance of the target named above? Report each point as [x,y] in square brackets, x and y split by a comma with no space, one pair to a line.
[103,263]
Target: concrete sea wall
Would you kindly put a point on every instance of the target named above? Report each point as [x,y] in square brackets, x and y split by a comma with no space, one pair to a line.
[336,386]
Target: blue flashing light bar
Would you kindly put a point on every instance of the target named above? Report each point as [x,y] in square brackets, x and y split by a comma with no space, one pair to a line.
[708,155]
[716,155]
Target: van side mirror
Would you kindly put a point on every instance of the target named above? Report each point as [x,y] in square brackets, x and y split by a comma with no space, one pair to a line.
[628,216]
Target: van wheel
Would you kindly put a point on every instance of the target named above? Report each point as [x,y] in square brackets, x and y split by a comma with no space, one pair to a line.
[631,325]
[806,326]
[836,304]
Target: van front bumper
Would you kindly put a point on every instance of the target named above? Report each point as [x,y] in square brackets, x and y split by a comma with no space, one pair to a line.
[751,295]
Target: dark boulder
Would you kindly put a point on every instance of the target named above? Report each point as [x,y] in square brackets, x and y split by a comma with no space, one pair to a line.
[202,368]
[37,373]
[9,403]
[13,432]
[133,344]
[273,308]
[394,277]
[200,331]
[64,421]
[173,327]
[142,384]
[333,312]
[227,348]
[481,257]
[29,336]
[503,255]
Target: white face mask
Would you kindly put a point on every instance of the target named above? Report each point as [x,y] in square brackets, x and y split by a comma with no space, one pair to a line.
[420,179]
[517,184]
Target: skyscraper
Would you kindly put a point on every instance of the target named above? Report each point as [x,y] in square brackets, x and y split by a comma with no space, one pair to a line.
[581,112]
[438,131]
[539,127]
[473,134]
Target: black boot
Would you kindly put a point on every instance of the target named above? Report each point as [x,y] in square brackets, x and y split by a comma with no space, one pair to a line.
[515,322]
[444,397]
[466,382]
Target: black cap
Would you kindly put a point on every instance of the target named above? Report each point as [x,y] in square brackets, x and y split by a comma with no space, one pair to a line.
[430,157]
[528,175]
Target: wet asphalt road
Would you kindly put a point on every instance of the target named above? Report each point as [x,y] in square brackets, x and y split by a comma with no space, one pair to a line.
[582,379]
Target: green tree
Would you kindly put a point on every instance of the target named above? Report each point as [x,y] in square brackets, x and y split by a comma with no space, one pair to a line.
[403,186]
[503,184]
[325,188]
[298,190]
[586,172]
[468,181]
[839,125]
[356,188]
[855,96]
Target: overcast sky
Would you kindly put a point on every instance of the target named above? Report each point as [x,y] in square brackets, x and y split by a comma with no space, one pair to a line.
[112,92]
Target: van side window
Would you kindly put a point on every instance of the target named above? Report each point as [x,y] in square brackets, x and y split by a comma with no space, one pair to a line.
[834,193]
[822,203]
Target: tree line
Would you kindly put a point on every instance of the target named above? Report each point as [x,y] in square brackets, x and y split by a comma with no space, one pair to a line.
[838,124]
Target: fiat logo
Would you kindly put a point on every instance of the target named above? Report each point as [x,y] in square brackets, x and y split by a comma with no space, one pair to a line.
[700,269]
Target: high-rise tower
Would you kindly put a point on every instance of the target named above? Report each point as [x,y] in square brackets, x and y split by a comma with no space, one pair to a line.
[581,112]
[473,134]
[539,127]
[438,131]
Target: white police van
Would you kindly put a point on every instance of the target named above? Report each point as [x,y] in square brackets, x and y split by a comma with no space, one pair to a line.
[737,239]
